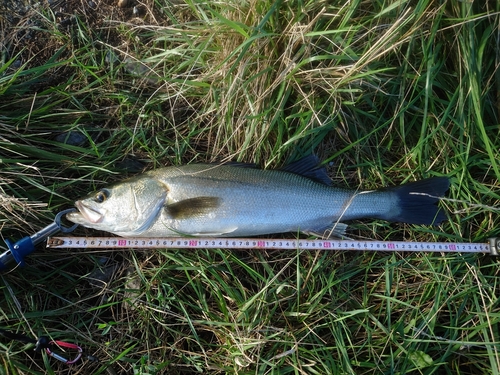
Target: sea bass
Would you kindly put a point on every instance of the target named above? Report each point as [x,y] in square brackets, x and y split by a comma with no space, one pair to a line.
[233,200]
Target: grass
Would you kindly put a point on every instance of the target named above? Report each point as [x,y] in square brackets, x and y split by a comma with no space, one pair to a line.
[389,91]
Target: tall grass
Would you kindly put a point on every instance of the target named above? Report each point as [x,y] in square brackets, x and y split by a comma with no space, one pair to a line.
[389,91]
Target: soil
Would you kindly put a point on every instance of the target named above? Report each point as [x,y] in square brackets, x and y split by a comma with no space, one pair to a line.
[35,33]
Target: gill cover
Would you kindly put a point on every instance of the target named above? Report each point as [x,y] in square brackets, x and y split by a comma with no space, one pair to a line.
[129,207]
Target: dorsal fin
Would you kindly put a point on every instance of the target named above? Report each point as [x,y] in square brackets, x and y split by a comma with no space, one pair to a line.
[308,167]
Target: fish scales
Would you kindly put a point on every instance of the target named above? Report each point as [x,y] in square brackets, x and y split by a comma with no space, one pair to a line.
[259,201]
[231,201]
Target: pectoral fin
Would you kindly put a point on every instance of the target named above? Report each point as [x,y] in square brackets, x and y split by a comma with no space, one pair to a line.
[192,207]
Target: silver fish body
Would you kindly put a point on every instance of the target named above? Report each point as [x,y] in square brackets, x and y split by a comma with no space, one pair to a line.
[233,201]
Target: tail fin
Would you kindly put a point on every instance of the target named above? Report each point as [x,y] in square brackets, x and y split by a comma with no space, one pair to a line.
[418,201]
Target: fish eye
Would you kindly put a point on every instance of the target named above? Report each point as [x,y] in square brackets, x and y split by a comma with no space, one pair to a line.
[101,196]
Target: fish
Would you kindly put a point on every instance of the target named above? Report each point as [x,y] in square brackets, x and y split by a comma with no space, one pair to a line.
[241,200]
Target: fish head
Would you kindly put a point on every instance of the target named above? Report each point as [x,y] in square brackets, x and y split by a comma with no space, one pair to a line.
[127,208]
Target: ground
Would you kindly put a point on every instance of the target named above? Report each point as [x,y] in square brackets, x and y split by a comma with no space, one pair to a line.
[384,92]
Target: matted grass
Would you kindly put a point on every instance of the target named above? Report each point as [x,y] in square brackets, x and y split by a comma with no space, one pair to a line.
[389,91]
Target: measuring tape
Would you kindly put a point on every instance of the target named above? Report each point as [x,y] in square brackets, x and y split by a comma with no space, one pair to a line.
[271,244]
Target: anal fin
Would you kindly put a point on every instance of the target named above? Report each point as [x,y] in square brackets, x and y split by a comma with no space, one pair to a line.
[337,230]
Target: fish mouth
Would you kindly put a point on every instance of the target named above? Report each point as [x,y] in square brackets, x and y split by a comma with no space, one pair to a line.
[85,214]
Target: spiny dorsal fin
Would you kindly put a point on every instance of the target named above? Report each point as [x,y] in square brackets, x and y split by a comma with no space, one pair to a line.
[309,167]
[192,207]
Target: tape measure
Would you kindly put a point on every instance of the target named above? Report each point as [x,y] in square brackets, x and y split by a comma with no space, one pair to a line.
[269,244]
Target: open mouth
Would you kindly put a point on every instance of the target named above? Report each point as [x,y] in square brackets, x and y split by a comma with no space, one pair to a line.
[86,213]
